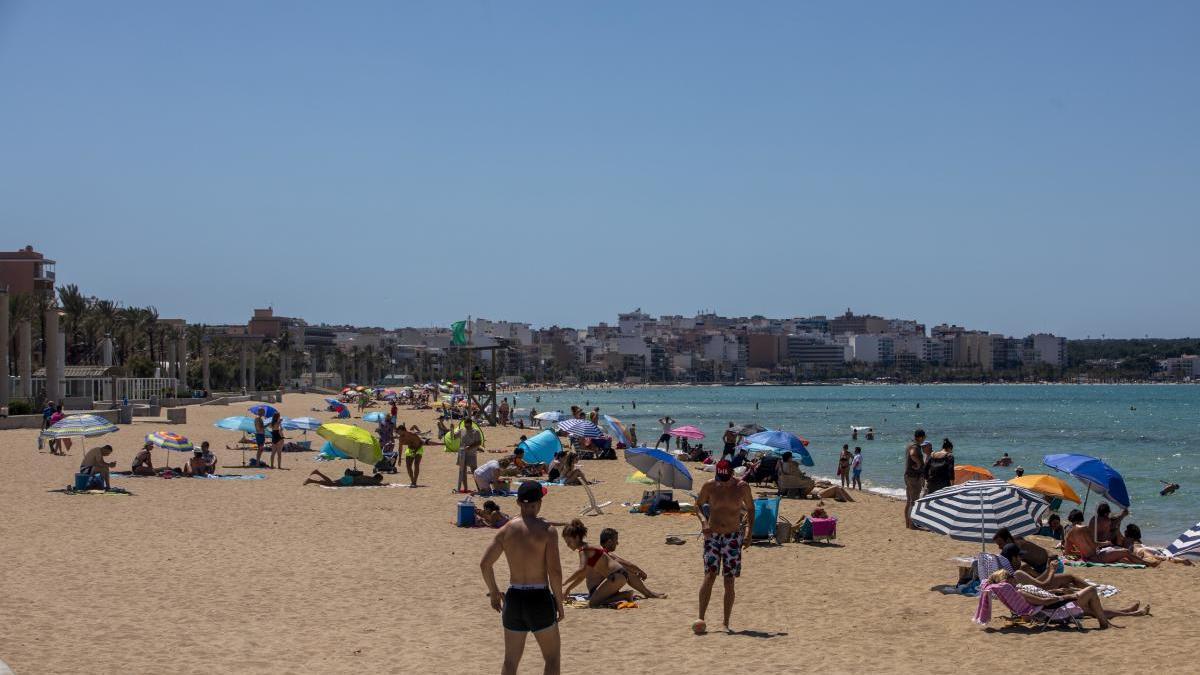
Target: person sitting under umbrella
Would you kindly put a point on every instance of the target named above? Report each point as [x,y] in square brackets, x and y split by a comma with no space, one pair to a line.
[143,464]
[94,463]
[196,465]
[1035,556]
[1080,543]
[350,479]
[210,459]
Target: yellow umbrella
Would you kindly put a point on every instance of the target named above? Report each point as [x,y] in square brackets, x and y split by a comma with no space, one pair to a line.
[1047,485]
[354,441]
[966,472]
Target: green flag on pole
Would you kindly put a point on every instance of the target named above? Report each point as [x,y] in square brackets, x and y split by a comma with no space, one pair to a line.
[459,330]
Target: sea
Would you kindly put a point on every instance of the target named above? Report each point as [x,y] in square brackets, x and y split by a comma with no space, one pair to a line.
[1149,433]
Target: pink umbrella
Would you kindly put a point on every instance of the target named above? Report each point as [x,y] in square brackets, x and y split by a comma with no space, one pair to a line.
[688,431]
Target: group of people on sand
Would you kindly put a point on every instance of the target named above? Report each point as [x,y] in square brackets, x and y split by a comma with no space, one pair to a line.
[1102,540]
[95,463]
[533,602]
[925,471]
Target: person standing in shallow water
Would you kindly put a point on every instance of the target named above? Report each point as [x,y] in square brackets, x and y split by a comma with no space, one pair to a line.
[843,467]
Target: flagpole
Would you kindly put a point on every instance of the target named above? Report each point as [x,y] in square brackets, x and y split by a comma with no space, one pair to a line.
[468,374]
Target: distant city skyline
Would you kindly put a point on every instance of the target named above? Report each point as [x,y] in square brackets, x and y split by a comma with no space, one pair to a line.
[1017,168]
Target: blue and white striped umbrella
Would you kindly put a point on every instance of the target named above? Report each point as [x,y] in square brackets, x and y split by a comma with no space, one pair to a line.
[1188,542]
[74,426]
[550,416]
[301,423]
[975,510]
[581,428]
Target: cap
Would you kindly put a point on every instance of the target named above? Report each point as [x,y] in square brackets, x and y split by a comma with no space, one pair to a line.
[724,469]
[530,491]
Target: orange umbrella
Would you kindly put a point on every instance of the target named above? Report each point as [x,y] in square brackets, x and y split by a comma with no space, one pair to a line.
[1047,485]
[966,472]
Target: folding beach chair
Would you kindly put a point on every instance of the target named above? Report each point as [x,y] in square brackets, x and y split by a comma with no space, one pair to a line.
[1040,616]
[766,515]
[592,508]
[824,529]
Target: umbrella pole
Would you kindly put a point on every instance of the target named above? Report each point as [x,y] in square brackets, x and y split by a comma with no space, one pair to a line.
[1085,498]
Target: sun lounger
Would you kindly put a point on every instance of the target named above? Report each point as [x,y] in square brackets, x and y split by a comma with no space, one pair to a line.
[1041,616]
[592,508]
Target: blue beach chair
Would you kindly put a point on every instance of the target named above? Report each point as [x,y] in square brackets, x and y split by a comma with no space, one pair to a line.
[766,515]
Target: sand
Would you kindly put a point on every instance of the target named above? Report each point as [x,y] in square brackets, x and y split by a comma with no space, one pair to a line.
[191,576]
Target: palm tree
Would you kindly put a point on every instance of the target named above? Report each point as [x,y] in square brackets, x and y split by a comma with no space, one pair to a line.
[75,308]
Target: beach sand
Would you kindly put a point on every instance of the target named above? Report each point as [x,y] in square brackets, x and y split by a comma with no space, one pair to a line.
[203,576]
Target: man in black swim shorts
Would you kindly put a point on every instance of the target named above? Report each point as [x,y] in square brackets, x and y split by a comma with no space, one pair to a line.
[533,602]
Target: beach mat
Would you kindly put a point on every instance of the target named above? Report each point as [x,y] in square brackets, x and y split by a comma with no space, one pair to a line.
[365,487]
[1084,563]
[219,476]
[114,492]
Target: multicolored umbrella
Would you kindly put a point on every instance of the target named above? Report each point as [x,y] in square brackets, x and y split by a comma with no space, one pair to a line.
[356,442]
[1048,486]
[86,426]
[966,472]
[617,427]
[687,431]
[169,440]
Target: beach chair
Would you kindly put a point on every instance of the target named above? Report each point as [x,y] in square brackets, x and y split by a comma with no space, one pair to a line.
[823,529]
[766,515]
[1039,616]
[592,508]
[765,472]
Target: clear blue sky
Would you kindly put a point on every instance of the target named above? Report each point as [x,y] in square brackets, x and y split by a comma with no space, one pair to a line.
[1013,167]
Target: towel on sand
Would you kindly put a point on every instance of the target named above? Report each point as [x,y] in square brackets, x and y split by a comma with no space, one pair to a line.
[359,487]
[1084,563]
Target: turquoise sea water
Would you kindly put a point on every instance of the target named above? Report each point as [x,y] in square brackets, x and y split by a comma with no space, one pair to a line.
[1146,432]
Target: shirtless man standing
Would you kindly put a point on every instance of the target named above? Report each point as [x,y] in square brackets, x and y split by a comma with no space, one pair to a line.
[533,602]
[726,536]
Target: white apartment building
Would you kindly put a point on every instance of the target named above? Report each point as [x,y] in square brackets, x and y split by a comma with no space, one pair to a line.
[873,348]
[1048,349]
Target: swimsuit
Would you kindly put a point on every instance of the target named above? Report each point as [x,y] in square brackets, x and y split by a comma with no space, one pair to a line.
[346,481]
[418,452]
[723,552]
[259,439]
[276,436]
[528,608]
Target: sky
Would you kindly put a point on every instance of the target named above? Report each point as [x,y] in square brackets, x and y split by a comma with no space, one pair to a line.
[1013,167]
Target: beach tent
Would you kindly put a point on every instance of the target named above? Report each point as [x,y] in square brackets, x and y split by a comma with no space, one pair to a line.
[975,510]
[540,448]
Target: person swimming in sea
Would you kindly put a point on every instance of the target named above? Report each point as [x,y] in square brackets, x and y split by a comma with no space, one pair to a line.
[1169,489]
[1003,461]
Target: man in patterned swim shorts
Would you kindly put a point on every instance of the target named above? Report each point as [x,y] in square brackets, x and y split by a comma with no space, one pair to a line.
[726,535]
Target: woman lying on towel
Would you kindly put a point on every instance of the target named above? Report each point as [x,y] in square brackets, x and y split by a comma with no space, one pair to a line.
[605,577]
[1148,554]
[348,480]
[1087,599]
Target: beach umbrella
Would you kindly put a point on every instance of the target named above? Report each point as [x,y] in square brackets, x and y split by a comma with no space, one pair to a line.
[550,416]
[267,411]
[377,416]
[329,453]
[304,424]
[801,455]
[581,428]
[1048,486]
[687,431]
[169,440]
[79,426]
[975,510]
[540,448]
[749,429]
[236,423]
[1093,473]
[660,466]
[617,427]
[356,442]
[1188,542]
[966,472]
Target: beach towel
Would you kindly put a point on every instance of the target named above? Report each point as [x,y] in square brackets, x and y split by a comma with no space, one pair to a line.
[230,476]
[112,492]
[1008,595]
[361,487]
[1104,590]
[1084,563]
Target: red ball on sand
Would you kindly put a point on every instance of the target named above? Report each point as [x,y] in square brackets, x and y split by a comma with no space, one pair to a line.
[699,627]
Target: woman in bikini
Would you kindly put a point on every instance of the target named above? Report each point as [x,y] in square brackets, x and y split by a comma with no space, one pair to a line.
[276,442]
[604,576]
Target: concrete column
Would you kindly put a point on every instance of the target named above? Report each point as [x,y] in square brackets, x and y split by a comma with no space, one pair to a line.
[315,356]
[244,382]
[253,366]
[5,383]
[171,360]
[204,357]
[181,354]
[106,352]
[25,358]
[53,392]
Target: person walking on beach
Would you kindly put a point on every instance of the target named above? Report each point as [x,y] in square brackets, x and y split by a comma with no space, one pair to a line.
[843,467]
[914,473]
[469,441]
[856,469]
[666,423]
[730,440]
[633,436]
[533,602]
[727,529]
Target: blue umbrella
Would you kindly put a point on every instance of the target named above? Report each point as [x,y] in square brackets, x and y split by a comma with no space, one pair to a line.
[540,449]
[329,453]
[1093,473]
[267,411]
[238,423]
[660,466]
[779,442]
[301,423]
[374,417]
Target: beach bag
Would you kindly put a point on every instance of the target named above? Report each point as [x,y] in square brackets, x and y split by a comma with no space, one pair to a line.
[783,529]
